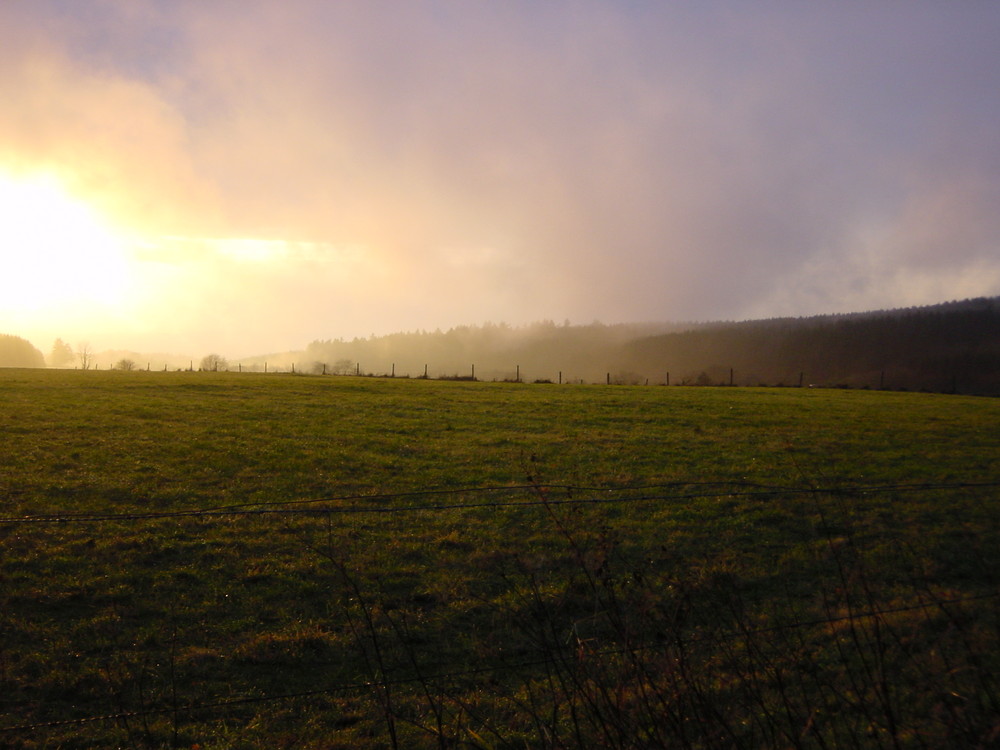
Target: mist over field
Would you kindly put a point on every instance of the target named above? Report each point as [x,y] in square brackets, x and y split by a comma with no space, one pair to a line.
[952,347]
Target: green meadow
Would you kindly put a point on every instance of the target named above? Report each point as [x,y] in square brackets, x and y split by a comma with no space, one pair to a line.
[222,560]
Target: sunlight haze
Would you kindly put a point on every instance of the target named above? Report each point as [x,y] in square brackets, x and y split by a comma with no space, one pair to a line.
[247,177]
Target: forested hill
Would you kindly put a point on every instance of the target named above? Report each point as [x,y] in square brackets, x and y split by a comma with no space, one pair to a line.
[494,351]
[946,347]
[951,346]
[18,352]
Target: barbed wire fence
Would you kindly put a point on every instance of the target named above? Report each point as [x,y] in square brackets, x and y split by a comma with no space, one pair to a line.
[447,676]
[608,496]
[573,665]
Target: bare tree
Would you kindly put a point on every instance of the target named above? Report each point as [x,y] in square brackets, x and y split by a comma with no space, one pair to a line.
[85,355]
[125,364]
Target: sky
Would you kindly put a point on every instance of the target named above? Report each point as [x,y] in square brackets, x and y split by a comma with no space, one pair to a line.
[247,176]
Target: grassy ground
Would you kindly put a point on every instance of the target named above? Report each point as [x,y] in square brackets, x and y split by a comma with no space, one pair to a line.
[231,560]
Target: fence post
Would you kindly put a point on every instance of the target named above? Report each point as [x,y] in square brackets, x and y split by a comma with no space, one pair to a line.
[357,368]
[425,372]
[668,378]
[473,370]
[560,377]
[607,379]
[265,368]
[517,377]
[393,369]
[730,376]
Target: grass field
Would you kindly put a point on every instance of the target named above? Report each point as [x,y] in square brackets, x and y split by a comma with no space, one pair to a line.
[224,560]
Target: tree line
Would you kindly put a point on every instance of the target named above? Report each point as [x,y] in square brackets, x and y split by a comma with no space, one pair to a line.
[18,352]
[950,347]
[953,346]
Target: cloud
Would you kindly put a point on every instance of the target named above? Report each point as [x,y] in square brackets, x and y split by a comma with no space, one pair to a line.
[514,161]
[113,140]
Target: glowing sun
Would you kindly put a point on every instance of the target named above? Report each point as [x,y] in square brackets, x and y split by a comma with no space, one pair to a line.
[55,250]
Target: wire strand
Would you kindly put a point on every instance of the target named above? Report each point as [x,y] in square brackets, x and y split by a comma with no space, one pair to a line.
[281,508]
[518,666]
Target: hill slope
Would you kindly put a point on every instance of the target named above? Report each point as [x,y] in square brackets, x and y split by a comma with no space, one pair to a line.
[18,352]
[953,346]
